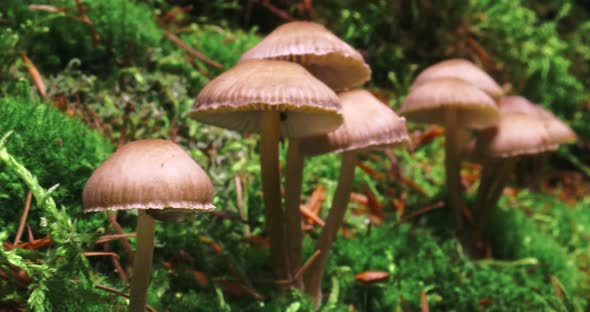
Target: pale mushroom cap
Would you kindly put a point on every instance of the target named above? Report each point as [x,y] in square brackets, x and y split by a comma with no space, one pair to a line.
[460,69]
[235,99]
[521,105]
[428,102]
[368,123]
[321,52]
[516,134]
[148,174]
[559,132]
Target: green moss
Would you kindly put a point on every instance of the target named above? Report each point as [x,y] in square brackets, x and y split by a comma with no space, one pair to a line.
[56,148]
[127,32]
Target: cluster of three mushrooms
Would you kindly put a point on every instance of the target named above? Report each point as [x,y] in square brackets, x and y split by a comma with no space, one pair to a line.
[303,110]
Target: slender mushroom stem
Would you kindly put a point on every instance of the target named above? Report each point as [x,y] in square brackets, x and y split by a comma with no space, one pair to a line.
[495,175]
[505,169]
[313,284]
[271,192]
[452,166]
[142,263]
[486,181]
[293,182]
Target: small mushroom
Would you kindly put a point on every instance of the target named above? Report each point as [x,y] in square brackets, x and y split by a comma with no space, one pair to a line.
[559,133]
[274,98]
[499,148]
[463,70]
[148,175]
[322,53]
[454,104]
[368,124]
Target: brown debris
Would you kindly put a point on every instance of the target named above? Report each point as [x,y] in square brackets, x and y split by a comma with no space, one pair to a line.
[35,75]
[371,277]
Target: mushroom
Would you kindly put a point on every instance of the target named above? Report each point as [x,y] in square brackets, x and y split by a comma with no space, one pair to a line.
[499,149]
[322,53]
[459,69]
[454,104]
[559,132]
[148,175]
[274,98]
[368,124]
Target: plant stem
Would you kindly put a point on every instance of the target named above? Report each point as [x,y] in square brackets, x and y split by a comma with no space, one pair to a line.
[452,166]
[313,283]
[293,182]
[142,263]
[271,192]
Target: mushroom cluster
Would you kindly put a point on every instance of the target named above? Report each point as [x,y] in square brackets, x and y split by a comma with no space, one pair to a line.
[284,87]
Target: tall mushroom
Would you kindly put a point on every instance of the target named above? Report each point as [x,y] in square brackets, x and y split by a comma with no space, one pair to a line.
[322,53]
[148,175]
[368,124]
[460,69]
[274,98]
[454,104]
[332,61]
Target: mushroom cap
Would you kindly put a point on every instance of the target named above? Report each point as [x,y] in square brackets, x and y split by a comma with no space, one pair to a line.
[428,102]
[321,52]
[559,132]
[521,105]
[515,135]
[460,69]
[235,99]
[148,174]
[368,124]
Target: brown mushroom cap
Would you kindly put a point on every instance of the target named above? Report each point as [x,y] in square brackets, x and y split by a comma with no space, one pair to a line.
[460,69]
[321,52]
[368,123]
[516,134]
[148,174]
[428,102]
[234,99]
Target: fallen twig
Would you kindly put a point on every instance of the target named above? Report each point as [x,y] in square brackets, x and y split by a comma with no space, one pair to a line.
[119,230]
[280,13]
[122,294]
[112,237]
[23,218]
[35,75]
[100,253]
[423,211]
[191,51]
[307,213]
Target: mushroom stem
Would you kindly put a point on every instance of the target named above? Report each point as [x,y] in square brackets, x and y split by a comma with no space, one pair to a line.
[293,182]
[271,192]
[313,283]
[495,175]
[505,168]
[142,263]
[452,166]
